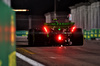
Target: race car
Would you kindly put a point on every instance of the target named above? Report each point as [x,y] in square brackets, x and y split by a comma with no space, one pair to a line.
[56,34]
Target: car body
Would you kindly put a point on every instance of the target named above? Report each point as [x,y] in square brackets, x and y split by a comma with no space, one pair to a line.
[56,34]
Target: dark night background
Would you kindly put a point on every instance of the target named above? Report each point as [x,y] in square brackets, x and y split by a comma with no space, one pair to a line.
[40,7]
[37,9]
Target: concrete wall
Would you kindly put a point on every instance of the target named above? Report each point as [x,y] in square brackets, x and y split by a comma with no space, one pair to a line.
[98,7]
[95,15]
[48,18]
[89,17]
[86,16]
[61,16]
[79,15]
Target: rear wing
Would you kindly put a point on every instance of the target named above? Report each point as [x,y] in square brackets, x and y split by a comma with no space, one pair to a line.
[59,24]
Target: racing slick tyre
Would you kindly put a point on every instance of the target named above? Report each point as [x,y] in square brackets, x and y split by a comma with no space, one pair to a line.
[40,39]
[31,37]
[77,37]
[35,38]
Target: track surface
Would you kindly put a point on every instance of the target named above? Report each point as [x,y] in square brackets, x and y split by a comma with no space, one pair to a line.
[86,55]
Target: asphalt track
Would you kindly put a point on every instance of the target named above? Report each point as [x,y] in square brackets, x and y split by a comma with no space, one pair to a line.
[86,55]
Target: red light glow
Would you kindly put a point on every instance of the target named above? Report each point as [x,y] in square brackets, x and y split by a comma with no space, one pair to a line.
[73,28]
[45,29]
[59,37]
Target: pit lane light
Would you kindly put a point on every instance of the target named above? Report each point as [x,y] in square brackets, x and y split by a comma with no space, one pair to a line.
[20,10]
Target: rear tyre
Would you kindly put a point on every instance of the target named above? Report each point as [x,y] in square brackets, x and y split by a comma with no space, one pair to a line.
[77,37]
[31,37]
[35,38]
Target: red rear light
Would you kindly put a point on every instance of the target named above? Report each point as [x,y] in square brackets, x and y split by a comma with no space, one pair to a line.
[46,29]
[59,37]
[73,29]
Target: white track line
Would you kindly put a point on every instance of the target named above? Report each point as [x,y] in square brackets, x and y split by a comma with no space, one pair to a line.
[28,60]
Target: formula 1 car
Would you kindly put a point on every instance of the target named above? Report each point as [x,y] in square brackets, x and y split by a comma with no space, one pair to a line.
[56,34]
